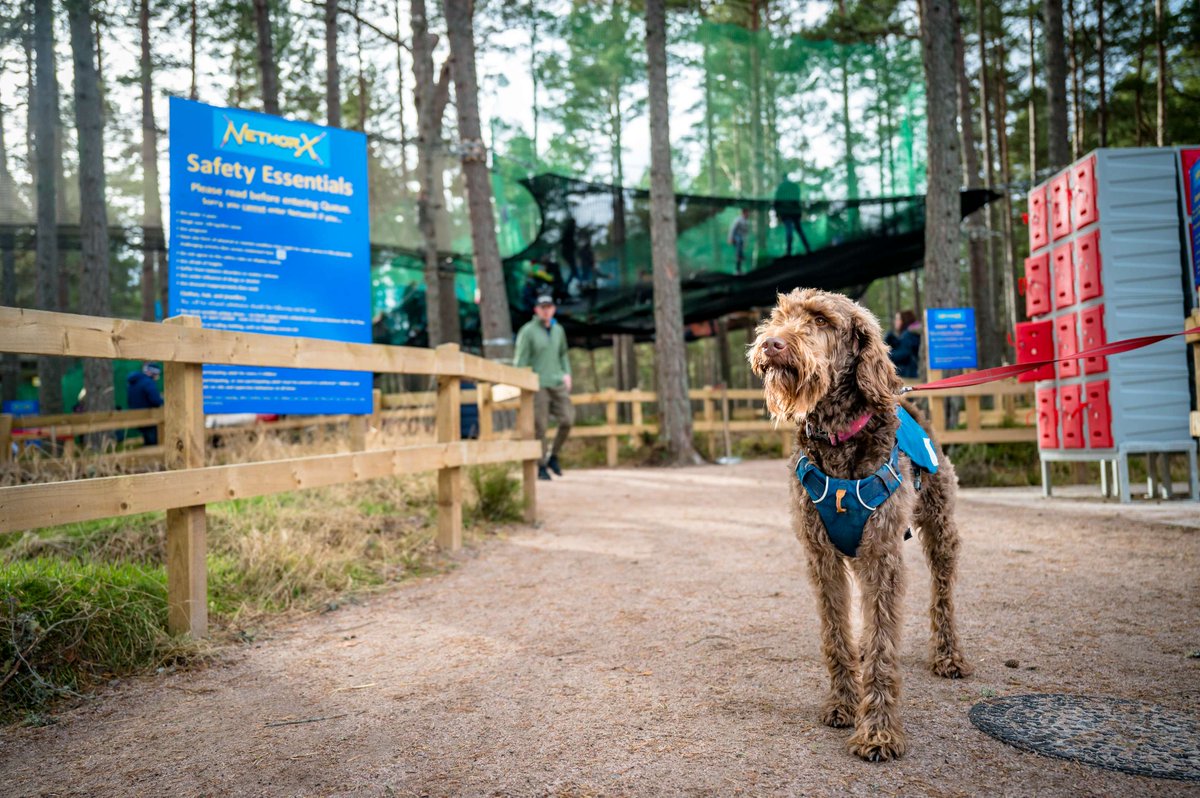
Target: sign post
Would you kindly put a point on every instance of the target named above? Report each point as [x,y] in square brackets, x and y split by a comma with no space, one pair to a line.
[950,338]
[269,234]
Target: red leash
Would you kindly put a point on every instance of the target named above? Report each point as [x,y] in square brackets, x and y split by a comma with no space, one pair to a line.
[1001,372]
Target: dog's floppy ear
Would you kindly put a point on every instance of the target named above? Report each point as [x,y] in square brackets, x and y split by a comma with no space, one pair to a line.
[876,374]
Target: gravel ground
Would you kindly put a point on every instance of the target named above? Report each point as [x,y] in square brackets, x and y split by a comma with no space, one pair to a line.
[654,636]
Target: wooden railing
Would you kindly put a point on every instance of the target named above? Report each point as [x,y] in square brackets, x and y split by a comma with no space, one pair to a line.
[738,411]
[187,486]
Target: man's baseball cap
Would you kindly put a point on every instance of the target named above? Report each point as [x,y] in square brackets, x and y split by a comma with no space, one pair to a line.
[152,368]
[545,299]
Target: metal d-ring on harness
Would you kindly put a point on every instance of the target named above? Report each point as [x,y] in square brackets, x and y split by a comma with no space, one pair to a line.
[845,512]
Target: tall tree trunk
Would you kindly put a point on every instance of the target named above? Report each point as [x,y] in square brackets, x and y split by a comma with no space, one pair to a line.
[757,175]
[1139,112]
[400,99]
[1008,283]
[10,365]
[1056,86]
[430,96]
[152,232]
[533,70]
[268,74]
[48,167]
[943,208]
[670,352]
[93,216]
[977,229]
[333,85]
[192,31]
[363,101]
[1161,87]
[489,271]
[1077,80]
[1102,98]
[1032,110]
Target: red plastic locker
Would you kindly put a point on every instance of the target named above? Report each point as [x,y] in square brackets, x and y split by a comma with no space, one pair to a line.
[1091,332]
[1084,210]
[1037,285]
[1038,237]
[1058,197]
[1099,415]
[1072,416]
[1047,419]
[1064,276]
[1066,342]
[1087,265]
[1035,341]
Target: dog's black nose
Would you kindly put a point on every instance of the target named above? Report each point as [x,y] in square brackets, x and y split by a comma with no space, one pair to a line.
[773,347]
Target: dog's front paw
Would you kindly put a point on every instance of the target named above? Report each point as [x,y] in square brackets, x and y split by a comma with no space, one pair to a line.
[950,665]
[838,714]
[878,744]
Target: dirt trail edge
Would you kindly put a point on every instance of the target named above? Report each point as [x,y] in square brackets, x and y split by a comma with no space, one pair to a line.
[655,636]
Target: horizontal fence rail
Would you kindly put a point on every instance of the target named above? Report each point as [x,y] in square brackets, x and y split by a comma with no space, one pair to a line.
[184,490]
[1008,421]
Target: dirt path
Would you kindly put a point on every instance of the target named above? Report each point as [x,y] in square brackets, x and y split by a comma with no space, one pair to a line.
[656,636]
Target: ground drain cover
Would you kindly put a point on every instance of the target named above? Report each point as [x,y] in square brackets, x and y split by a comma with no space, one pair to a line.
[1114,733]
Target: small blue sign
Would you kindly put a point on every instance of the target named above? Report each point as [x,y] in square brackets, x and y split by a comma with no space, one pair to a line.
[20,407]
[269,234]
[950,338]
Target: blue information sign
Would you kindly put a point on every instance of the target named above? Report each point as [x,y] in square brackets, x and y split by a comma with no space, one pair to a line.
[269,234]
[950,338]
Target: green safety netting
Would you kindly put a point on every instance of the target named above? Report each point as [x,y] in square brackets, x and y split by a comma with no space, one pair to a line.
[821,143]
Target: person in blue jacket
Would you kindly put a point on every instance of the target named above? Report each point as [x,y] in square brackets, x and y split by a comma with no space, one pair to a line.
[142,392]
[905,343]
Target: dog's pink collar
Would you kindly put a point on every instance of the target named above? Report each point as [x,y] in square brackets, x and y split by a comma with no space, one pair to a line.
[841,437]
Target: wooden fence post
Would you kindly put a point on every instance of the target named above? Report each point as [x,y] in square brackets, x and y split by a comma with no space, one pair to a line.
[526,431]
[974,413]
[610,414]
[636,439]
[5,438]
[710,422]
[483,401]
[449,429]
[187,576]
[937,406]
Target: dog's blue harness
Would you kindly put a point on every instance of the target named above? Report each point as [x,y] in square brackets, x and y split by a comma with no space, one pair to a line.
[845,505]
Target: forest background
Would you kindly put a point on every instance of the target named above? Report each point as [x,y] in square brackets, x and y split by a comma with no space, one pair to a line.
[830,93]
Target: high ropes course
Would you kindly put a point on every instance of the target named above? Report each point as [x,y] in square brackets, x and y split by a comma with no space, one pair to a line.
[588,244]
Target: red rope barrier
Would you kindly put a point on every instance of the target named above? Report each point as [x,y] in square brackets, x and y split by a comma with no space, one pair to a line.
[1002,372]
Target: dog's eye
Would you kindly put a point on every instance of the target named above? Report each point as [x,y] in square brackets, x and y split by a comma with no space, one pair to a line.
[820,321]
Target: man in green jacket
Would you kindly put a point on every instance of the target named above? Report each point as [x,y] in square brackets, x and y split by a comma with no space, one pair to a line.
[542,346]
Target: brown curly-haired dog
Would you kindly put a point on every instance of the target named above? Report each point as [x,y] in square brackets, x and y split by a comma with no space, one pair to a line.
[825,367]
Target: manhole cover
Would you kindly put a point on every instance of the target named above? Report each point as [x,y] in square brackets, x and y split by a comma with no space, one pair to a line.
[1114,733]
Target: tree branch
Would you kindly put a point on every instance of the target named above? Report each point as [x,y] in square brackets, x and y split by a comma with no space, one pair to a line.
[391,37]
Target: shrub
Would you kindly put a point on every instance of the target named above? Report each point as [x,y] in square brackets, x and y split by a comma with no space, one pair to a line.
[498,495]
[66,624]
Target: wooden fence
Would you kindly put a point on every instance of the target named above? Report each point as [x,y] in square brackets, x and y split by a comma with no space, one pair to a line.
[187,486]
[722,412]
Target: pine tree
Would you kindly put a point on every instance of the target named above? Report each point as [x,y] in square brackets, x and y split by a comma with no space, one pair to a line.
[93,217]
[670,352]
[489,273]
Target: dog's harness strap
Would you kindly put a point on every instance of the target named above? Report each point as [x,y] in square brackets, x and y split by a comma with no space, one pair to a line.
[846,518]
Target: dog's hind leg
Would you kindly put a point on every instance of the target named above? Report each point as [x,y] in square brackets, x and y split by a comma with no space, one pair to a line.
[934,516]
[879,734]
[832,585]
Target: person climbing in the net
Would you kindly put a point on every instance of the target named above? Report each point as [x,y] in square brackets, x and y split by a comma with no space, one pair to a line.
[789,210]
[739,234]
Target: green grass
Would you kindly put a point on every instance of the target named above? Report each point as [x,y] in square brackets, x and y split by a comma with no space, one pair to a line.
[82,603]
[66,625]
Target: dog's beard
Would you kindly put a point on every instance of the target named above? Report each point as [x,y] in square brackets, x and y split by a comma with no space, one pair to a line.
[790,395]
